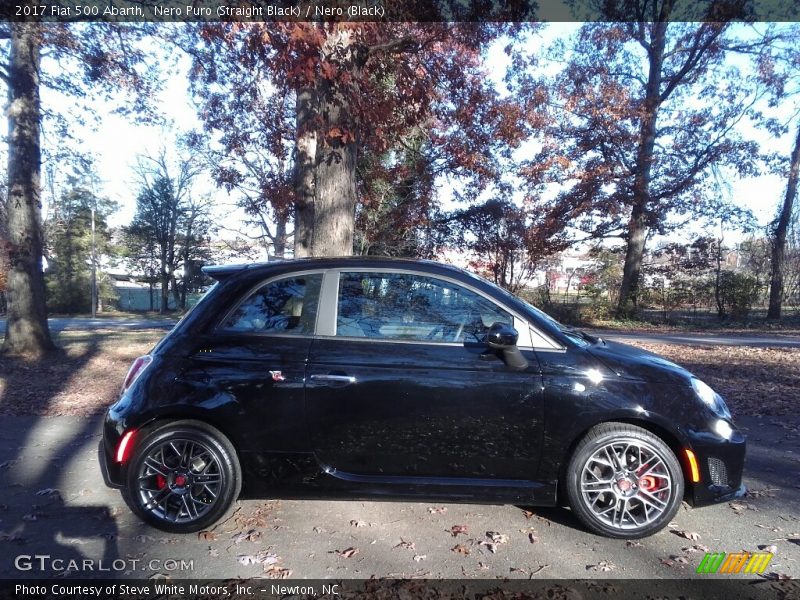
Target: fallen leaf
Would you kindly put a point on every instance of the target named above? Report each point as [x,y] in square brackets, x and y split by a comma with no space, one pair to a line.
[764,493]
[208,536]
[696,548]
[456,529]
[356,523]
[420,557]
[689,535]
[276,572]
[497,538]
[460,549]
[50,493]
[144,539]
[406,545]
[633,544]
[602,566]
[771,548]
[437,510]
[346,553]
[532,538]
[491,546]
[250,535]
[260,558]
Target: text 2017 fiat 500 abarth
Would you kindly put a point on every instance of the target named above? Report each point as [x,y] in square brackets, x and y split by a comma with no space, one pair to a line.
[375,377]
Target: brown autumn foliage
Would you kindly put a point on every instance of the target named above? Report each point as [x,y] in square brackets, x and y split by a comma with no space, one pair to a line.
[375,106]
[636,124]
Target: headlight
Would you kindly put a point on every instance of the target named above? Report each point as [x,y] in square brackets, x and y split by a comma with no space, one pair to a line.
[710,398]
[723,429]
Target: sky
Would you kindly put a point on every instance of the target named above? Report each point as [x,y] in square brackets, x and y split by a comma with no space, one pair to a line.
[116,142]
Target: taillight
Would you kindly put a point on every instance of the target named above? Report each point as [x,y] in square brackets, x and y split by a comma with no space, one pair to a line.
[124,447]
[136,369]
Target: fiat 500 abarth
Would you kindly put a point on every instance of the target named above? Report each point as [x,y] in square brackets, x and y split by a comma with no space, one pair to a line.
[367,377]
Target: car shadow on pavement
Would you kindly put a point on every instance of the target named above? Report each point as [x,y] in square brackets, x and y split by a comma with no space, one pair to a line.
[45,530]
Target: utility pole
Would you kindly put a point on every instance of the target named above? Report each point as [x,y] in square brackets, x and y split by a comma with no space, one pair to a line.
[94,263]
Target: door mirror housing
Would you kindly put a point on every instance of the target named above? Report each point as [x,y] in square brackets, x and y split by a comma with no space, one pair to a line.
[503,337]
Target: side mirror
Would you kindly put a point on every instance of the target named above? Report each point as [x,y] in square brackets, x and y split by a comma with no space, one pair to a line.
[501,336]
[504,338]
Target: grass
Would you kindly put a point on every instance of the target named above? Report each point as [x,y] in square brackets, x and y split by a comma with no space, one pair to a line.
[87,377]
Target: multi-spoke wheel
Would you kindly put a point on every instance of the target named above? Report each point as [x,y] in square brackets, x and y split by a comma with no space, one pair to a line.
[183,477]
[623,481]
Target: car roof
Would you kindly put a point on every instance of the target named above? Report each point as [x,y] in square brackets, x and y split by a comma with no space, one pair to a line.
[220,272]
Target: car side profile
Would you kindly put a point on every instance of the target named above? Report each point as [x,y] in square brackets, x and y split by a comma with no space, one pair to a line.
[386,378]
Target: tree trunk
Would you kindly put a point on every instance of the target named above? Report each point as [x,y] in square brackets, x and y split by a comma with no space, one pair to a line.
[306,150]
[176,296]
[638,228]
[164,302]
[335,184]
[634,256]
[279,246]
[26,328]
[779,235]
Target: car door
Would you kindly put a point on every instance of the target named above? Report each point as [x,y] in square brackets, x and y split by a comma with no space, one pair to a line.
[401,382]
[250,369]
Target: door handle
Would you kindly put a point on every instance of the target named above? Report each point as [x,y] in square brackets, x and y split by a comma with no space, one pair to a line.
[340,379]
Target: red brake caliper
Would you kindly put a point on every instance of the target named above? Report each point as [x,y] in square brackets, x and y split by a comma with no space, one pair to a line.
[161,482]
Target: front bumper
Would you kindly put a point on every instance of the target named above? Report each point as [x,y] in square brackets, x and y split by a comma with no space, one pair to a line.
[720,463]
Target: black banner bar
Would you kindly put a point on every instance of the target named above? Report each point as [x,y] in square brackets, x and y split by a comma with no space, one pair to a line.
[708,588]
[177,11]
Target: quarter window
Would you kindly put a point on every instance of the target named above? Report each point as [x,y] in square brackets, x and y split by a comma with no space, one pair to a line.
[286,306]
[404,306]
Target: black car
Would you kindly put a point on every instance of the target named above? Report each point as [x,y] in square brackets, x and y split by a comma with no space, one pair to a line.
[374,377]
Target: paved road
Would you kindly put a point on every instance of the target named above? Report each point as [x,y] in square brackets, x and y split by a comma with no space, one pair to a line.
[692,339]
[703,339]
[84,323]
[54,503]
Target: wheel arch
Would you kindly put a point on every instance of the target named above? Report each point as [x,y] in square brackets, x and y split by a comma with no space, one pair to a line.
[669,437]
[173,417]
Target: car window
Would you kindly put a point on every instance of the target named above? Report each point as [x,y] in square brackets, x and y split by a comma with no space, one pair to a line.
[286,306]
[405,306]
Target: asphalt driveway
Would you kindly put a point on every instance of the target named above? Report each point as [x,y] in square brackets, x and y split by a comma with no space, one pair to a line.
[55,505]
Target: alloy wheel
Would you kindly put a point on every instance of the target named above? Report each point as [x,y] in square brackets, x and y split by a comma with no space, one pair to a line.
[179,480]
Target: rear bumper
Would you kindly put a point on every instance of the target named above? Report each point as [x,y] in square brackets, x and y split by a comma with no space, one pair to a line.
[721,464]
[112,472]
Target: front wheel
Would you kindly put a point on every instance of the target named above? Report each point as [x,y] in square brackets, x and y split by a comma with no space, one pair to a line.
[623,481]
[183,477]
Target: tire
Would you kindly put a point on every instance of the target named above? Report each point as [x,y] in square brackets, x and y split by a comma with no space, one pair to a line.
[183,477]
[631,497]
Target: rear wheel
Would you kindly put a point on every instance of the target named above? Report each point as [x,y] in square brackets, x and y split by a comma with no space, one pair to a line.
[623,481]
[183,477]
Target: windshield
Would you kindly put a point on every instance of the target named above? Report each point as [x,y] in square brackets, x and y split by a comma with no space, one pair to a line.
[577,336]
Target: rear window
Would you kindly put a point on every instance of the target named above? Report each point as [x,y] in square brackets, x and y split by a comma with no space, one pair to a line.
[285,306]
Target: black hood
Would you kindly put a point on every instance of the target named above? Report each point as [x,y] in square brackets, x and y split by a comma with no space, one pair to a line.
[634,363]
